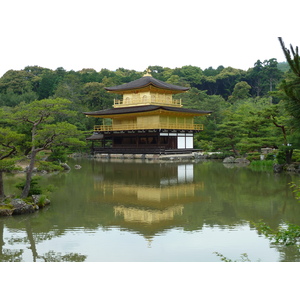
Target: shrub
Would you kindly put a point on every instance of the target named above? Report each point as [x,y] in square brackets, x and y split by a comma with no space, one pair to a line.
[270,156]
[58,154]
[49,166]
[296,155]
[35,189]
[204,145]
[253,156]
[261,165]
[281,158]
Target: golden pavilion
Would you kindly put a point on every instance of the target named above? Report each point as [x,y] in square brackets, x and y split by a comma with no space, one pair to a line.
[147,120]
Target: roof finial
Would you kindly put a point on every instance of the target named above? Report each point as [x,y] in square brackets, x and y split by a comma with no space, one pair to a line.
[148,73]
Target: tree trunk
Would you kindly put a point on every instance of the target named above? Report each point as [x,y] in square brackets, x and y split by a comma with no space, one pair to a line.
[1,237]
[288,156]
[29,172]
[2,195]
[234,150]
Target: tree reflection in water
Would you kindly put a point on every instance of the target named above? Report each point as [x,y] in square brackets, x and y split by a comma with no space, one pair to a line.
[156,205]
[12,255]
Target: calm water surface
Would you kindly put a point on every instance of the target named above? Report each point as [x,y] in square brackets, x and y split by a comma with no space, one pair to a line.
[111,211]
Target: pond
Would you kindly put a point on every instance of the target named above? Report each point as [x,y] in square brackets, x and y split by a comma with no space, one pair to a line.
[153,211]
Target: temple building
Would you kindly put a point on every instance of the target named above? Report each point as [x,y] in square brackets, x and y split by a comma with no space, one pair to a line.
[146,120]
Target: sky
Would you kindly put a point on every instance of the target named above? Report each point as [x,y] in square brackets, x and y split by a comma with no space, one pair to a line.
[135,34]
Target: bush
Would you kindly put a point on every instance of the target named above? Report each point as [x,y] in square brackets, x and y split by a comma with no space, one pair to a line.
[281,158]
[261,165]
[49,166]
[35,189]
[253,156]
[296,155]
[58,154]
[270,156]
[204,145]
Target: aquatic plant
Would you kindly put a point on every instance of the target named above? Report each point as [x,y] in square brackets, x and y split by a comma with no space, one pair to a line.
[261,165]
[287,234]
[296,189]
[243,258]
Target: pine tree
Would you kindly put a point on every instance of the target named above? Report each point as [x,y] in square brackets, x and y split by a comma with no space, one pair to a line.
[291,85]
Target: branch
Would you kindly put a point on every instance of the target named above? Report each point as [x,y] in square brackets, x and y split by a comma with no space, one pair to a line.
[280,126]
[13,150]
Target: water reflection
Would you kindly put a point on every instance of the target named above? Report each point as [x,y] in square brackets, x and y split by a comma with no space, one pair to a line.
[152,202]
[147,198]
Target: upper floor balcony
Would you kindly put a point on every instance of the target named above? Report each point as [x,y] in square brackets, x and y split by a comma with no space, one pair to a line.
[134,100]
[155,126]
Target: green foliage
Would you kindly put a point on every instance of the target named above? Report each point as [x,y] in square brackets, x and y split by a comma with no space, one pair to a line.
[296,155]
[296,189]
[270,156]
[244,258]
[9,164]
[290,86]
[49,166]
[42,200]
[35,189]
[204,145]
[253,156]
[228,92]
[261,165]
[287,234]
[240,91]
[281,157]
[58,154]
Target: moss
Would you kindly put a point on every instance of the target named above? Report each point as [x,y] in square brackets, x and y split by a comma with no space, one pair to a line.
[6,206]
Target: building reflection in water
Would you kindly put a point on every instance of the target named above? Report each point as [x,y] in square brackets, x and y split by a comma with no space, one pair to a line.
[148,200]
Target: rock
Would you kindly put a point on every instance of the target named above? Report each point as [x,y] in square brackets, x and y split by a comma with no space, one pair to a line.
[47,202]
[65,166]
[21,207]
[291,168]
[4,212]
[37,203]
[229,160]
[242,161]
[277,168]
[35,198]
[77,167]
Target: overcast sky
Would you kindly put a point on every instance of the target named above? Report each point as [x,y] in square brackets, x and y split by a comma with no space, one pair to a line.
[134,34]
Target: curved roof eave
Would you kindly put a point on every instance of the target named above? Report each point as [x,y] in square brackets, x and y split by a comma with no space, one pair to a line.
[145,108]
[144,82]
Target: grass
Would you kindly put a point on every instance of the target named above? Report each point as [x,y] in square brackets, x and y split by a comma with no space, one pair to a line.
[261,165]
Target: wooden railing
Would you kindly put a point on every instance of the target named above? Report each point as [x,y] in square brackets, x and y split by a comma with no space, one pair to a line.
[140,101]
[101,128]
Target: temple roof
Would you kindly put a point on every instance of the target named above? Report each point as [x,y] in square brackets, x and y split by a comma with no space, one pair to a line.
[144,108]
[146,81]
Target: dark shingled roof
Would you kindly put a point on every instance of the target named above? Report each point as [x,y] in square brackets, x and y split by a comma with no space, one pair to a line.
[144,108]
[144,82]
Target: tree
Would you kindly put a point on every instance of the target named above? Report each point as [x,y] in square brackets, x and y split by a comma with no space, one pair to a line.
[190,74]
[290,86]
[96,97]
[9,141]
[263,77]
[228,135]
[240,91]
[17,82]
[278,116]
[38,115]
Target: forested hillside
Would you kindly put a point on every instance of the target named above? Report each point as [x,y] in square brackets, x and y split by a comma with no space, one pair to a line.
[247,112]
